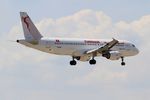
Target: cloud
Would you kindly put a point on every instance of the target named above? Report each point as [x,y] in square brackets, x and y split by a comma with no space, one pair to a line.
[35,71]
[100,75]
[140,28]
[85,22]
[95,24]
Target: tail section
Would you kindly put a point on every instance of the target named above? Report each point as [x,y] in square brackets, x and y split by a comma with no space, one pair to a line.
[31,33]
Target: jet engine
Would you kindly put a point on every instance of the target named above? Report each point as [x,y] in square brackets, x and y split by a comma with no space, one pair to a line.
[112,55]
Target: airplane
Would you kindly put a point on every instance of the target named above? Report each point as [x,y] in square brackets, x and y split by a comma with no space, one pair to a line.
[78,49]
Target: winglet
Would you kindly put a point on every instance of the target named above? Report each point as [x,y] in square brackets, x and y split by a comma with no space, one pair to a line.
[114,39]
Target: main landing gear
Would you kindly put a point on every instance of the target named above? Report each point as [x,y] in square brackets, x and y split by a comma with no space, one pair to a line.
[92,61]
[73,62]
[122,63]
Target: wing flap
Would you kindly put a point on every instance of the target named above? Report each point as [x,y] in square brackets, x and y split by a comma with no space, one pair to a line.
[104,48]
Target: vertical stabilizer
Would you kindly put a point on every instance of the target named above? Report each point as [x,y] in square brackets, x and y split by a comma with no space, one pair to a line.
[31,33]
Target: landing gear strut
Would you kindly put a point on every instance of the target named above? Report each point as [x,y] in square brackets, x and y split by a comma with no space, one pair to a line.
[122,63]
[92,61]
[73,62]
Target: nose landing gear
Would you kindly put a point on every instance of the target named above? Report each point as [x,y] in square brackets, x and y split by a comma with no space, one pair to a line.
[122,61]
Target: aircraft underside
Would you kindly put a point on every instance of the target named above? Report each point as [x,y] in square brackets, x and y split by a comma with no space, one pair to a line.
[78,49]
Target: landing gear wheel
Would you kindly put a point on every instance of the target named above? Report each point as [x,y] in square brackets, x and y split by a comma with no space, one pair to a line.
[123,63]
[92,62]
[73,62]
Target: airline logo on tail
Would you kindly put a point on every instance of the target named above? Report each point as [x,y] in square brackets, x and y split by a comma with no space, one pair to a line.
[31,33]
[25,20]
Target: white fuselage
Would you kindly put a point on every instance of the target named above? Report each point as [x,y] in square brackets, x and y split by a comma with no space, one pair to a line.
[79,49]
[76,47]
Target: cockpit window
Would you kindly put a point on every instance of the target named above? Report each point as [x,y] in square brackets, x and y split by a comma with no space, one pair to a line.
[133,45]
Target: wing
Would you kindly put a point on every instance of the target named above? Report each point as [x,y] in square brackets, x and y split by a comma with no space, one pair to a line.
[104,48]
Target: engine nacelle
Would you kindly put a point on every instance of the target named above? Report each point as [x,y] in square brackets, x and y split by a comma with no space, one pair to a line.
[112,55]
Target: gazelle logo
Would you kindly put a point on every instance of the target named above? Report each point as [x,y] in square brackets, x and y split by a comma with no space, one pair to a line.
[25,20]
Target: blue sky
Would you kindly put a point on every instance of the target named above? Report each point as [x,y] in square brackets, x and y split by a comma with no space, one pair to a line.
[27,74]
[117,9]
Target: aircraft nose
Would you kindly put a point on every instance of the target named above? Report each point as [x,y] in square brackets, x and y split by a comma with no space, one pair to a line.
[136,51]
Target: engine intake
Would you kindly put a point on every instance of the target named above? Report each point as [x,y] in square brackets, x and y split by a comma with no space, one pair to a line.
[112,55]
